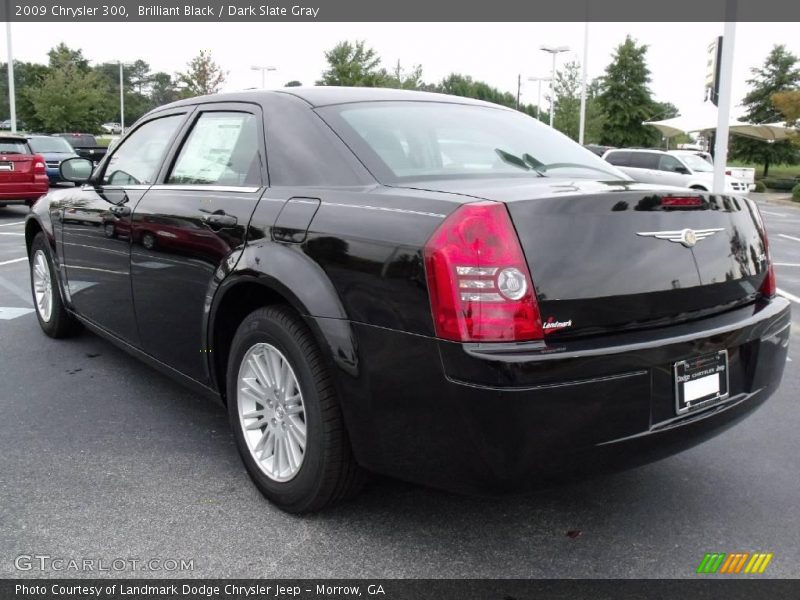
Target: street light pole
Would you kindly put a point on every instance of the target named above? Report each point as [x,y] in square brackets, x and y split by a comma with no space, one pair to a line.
[539,95]
[555,51]
[582,126]
[724,101]
[263,73]
[12,104]
[121,101]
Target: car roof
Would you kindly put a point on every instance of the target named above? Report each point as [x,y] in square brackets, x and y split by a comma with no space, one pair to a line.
[13,136]
[655,150]
[329,95]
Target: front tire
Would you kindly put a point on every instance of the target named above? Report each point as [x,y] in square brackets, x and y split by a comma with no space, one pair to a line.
[285,414]
[53,316]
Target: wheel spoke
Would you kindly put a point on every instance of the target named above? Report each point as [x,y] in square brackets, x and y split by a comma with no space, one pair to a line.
[276,460]
[253,414]
[258,367]
[255,389]
[257,424]
[262,443]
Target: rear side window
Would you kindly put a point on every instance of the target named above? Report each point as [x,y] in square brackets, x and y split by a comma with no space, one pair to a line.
[643,160]
[222,149]
[10,146]
[138,159]
[621,159]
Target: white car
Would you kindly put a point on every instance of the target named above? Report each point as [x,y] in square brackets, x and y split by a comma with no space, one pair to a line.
[745,174]
[659,167]
[112,128]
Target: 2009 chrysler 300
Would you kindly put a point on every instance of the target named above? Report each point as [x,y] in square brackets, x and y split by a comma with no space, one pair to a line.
[425,286]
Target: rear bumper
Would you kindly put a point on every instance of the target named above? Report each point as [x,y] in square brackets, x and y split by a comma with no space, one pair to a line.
[23,191]
[493,418]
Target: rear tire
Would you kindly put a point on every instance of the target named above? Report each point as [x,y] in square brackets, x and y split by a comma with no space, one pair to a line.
[54,319]
[698,188]
[322,469]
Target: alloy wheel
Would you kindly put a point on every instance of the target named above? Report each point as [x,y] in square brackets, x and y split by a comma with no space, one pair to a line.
[42,286]
[271,412]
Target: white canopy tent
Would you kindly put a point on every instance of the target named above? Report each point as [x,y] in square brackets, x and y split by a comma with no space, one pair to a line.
[704,118]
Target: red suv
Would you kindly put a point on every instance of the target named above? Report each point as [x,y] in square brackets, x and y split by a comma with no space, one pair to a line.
[23,174]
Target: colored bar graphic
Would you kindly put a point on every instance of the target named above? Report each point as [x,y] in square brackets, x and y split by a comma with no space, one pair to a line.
[722,563]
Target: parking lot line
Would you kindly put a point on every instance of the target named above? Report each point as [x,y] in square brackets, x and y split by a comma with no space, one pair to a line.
[774,214]
[13,260]
[789,296]
[12,224]
[14,233]
[789,237]
[786,264]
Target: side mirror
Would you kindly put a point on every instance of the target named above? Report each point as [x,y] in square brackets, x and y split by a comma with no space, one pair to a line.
[77,170]
[683,171]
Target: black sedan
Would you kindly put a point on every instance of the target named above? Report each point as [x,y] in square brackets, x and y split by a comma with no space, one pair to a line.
[430,287]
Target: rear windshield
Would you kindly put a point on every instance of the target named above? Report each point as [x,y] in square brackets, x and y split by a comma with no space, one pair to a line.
[81,141]
[11,146]
[50,144]
[400,141]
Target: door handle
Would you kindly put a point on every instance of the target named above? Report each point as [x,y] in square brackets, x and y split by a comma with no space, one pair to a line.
[120,210]
[219,220]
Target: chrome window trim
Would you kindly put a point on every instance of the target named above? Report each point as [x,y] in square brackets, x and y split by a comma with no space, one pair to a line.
[206,188]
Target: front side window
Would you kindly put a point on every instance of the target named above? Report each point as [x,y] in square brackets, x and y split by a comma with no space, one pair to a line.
[670,163]
[401,141]
[222,149]
[698,163]
[137,160]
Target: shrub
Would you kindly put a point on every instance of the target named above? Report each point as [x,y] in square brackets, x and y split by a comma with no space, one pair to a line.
[760,187]
[796,193]
[781,184]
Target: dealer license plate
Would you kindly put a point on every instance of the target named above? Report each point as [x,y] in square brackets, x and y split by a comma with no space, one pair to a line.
[701,381]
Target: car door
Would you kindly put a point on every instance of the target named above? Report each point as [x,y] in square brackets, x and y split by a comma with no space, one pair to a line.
[95,223]
[189,229]
[644,167]
[674,171]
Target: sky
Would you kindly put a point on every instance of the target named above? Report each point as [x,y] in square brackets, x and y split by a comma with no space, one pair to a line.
[493,52]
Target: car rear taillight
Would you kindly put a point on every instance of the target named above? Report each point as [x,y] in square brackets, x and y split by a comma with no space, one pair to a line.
[729,173]
[478,280]
[769,287]
[39,166]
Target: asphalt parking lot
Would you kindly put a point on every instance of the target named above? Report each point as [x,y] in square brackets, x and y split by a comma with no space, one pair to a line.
[102,457]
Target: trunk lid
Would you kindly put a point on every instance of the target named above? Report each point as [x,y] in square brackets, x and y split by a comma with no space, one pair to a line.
[16,168]
[602,259]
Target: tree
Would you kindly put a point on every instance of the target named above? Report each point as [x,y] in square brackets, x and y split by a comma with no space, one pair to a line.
[788,104]
[406,80]
[293,83]
[626,100]
[779,73]
[26,75]
[62,56]
[203,76]
[354,65]
[68,99]
[162,89]
[568,99]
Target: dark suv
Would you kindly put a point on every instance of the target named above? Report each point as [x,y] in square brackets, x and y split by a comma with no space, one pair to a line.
[430,287]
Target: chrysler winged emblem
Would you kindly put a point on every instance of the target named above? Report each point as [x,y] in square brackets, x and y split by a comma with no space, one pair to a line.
[687,237]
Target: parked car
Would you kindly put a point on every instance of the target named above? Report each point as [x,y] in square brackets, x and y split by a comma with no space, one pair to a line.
[112,128]
[23,178]
[663,168]
[86,146]
[598,149]
[54,150]
[375,301]
[5,124]
[743,174]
